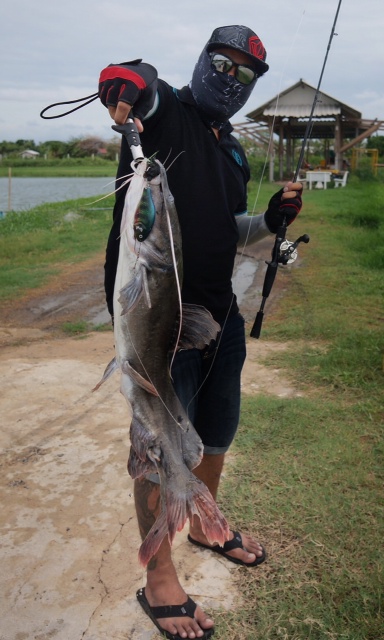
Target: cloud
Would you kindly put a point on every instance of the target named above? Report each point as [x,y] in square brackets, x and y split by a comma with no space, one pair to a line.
[55,51]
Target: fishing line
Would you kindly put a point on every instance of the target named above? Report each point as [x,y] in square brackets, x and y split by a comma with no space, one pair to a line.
[310,121]
[178,286]
[123,239]
[279,256]
[154,386]
[241,254]
[271,141]
[127,179]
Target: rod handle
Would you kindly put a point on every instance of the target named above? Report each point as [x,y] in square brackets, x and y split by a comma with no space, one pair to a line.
[256,329]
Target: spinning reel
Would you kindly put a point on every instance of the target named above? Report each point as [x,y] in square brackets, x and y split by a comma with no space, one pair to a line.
[288,250]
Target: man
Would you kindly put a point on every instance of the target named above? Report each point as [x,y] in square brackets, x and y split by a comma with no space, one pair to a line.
[208,172]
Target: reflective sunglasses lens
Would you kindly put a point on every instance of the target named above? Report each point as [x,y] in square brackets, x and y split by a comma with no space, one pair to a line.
[221,63]
[245,75]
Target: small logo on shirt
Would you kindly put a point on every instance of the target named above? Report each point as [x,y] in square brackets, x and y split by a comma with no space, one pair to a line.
[237,157]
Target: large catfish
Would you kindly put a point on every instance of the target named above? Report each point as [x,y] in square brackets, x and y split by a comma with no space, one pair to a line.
[150,323]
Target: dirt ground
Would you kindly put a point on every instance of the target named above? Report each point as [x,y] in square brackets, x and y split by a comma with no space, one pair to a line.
[69,538]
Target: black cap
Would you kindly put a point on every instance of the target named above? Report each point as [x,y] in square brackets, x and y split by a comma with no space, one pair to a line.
[243,39]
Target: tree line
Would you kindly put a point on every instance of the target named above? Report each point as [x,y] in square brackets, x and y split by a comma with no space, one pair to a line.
[56,149]
[109,149]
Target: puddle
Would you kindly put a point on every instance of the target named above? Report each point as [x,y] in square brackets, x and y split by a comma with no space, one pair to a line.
[243,278]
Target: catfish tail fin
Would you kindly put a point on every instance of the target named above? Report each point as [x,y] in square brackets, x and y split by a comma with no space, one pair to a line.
[192,499]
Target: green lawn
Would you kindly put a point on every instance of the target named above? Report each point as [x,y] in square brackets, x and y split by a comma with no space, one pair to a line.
[308,472]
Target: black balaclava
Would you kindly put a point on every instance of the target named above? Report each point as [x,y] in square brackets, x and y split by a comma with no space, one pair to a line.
[219,95]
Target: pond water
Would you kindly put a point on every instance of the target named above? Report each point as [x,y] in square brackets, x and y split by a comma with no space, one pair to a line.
[29,192]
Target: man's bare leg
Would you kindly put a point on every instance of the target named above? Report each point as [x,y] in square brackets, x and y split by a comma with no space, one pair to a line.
[163,587]
[209,471]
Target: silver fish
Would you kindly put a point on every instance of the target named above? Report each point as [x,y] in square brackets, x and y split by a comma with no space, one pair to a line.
[147,309]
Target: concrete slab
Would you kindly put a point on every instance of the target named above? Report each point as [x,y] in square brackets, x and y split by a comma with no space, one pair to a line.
[68,533]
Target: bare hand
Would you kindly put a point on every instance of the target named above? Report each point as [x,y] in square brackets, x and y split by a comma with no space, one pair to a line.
[120,114]
[292,189]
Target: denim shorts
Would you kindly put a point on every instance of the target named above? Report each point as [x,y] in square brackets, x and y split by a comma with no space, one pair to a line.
[207,383]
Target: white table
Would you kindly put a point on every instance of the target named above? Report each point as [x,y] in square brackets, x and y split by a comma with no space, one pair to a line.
[320,178]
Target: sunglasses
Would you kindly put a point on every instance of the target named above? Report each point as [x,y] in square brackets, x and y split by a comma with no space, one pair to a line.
[223,64]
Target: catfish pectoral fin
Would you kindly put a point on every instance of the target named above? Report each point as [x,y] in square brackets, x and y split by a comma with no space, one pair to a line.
[138,378]
[137,468]
[142,440]
[131,293]
[198,327]
[109,370]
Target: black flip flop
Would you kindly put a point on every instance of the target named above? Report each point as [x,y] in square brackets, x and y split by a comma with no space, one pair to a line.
[186,610]
[236,543]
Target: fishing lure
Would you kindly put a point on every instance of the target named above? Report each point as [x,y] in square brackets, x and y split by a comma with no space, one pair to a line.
[144,218]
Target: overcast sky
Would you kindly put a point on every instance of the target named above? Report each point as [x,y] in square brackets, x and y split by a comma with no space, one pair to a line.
[52,51]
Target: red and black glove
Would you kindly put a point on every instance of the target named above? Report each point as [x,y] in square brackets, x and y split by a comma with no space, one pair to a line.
[131,82]
[279,209]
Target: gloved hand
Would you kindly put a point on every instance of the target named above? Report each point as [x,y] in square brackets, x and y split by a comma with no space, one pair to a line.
[133,82]
[286,203]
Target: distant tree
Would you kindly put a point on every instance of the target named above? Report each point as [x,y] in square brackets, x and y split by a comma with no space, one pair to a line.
[75,147]
[14,148]
[376,142]
[113,147]
[26,144]
[54,149]
[89,146]
[7,147]
[85,147]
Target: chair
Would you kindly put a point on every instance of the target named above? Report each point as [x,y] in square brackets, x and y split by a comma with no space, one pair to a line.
[341,182]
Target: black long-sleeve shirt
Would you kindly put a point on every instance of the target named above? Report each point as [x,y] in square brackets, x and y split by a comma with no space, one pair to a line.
[208,179]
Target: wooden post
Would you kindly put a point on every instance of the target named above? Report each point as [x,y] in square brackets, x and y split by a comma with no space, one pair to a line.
[9,188]
[281,151]
[338,144]
[271,151]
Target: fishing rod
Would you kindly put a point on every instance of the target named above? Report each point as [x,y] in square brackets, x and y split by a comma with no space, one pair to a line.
[284,252]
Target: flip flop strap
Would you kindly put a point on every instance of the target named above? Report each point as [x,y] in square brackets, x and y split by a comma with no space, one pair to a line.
[186,610]
[235,543]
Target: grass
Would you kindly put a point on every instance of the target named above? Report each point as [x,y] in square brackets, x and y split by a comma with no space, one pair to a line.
[306,472]
[307,476]
[81,327]
[76,328]
[34,243]
[71,168]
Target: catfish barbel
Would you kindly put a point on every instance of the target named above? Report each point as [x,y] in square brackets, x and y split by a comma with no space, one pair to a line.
[150,323]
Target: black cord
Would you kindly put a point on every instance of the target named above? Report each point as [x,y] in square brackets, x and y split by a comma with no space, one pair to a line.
[89,99]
